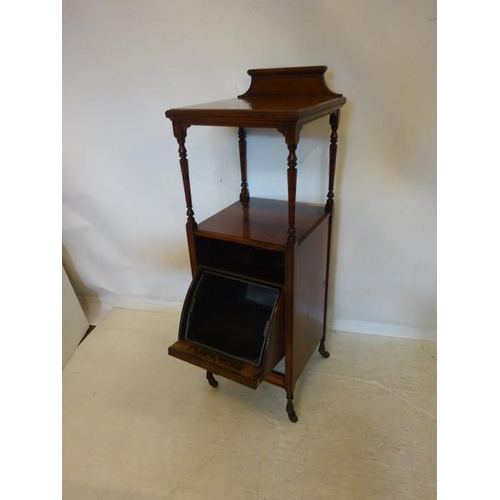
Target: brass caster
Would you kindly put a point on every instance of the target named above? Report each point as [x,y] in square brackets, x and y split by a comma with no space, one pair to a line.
[290,409]
[322,349]
[211,379]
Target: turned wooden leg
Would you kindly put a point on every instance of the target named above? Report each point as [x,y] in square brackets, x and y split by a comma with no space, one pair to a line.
[330,202]
[211,379]
[290,409]
[322,349]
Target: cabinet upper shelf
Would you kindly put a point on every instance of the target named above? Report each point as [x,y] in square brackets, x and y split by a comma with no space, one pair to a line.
[277,97]
[263,223]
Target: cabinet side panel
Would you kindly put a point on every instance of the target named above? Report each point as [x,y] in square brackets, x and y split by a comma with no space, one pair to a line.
[310,287]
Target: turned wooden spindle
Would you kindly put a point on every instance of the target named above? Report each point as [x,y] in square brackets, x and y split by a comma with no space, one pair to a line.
[292,189]
[242,145]
[180,135]
[334,125]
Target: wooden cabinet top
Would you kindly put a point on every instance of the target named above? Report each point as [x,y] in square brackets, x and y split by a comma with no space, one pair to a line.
[277,98]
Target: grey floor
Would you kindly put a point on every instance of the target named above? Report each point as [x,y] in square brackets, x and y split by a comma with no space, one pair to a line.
[138,424]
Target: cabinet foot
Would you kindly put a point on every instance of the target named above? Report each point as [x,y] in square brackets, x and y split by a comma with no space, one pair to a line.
[290,409]
[322,349]
[211,379]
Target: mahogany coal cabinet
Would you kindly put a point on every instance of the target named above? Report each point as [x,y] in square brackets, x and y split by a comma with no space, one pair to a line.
[260,266]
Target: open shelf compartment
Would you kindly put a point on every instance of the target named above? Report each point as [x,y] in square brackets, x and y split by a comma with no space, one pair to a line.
[241,259]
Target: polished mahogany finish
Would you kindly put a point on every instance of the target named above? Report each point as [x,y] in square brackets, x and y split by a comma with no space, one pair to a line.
[281,98]
[263,224]
[283,243]
[310,292]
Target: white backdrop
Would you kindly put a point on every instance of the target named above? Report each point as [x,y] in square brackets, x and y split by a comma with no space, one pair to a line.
[125,62]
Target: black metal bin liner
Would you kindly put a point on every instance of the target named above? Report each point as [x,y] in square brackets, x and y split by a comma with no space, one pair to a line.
[231,315]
